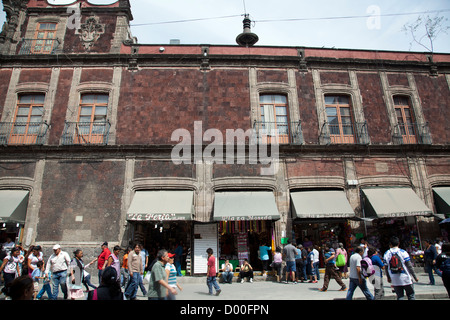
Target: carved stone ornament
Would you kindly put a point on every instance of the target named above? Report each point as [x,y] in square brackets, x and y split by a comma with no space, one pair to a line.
[90,31]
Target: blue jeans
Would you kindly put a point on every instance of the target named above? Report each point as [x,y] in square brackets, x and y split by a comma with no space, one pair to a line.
[45,289]
[430,268]
[211,282]
[132,287]
[316,270]
[59,279]
[227,276]
[354,283]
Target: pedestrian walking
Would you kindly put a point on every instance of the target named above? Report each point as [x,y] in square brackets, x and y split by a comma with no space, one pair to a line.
[211,273]
[310,270]
[377,278]
[145,267]
[276,264]
[289,253]
[443,263]
[113,261]
[135,269]
[109,288]
[125,275]
[330,269]
[10,268]
[316,260]
[76,272]
[158,285]
[58,264]
[171,272]
[356,277]
[34,257]
[341,261]
[37,275]
[430,254]
[399,270]
[264,256]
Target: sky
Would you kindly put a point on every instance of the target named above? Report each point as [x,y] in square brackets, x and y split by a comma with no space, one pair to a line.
[369,24]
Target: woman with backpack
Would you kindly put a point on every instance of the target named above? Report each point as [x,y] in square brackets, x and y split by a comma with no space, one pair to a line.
[341,261]
[443,263]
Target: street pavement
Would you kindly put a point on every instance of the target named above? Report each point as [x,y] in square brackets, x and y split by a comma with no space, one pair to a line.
[195,288]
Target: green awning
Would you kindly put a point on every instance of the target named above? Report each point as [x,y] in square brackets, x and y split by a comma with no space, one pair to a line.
[321,204]
[161,206]
[245,205]
[393,202]
[442,200]
[13,206]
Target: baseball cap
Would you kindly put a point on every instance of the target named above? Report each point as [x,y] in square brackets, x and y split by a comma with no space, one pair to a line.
[171,255]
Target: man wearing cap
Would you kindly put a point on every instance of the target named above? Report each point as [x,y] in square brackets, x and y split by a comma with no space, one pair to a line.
[58,263]
[158,286]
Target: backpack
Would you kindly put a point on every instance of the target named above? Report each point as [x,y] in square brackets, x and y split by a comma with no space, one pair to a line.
[340,261]
[367,268]
[395,263]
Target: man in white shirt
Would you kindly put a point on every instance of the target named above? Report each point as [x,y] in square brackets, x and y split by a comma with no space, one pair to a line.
[400,277]
[356,277]
[58,263]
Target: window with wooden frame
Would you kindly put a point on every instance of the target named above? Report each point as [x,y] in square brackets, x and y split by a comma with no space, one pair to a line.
[340,119]
[44,38]
[92,122]
[27,119]
[405,119]
[274,122]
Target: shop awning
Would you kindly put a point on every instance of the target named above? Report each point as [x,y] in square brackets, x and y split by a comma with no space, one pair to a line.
[13,206]
[442,200]
[161,206]
[393,202]
[245,205]
[321,204]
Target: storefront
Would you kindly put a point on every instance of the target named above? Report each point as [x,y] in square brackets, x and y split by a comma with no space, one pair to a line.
[13,212]
[163,220]
[393,211]
[442,204]
[245,220]
[320,217]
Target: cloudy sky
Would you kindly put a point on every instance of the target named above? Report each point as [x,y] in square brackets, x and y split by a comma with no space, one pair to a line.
[354,24]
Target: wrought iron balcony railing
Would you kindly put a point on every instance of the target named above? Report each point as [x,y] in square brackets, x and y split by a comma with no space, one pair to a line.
[412,133]
[88,133]
[38,46]
[340,133]
[23,133]
[281,133]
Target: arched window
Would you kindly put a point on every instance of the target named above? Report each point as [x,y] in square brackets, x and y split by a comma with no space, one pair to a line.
[92,123]
[28,119]
[44,39]
[274,118]
[340,118]
[405,120]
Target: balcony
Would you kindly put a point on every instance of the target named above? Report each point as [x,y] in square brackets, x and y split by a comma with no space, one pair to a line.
[38,46]
[344,133]
[23,133]
[280,133]
[412,133]
[86,133]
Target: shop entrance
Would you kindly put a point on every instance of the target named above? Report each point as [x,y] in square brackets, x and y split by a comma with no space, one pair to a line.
[239,240]
[318,232]
[169,235]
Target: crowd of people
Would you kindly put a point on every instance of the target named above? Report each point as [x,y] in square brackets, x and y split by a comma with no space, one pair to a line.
[120,276]
[366,263]
[26,275]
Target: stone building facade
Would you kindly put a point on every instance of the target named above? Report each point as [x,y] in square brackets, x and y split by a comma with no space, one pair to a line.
[90,119]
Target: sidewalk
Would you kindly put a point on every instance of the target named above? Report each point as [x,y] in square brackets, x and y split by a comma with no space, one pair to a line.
[194,288]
